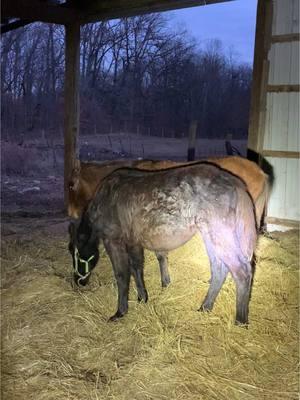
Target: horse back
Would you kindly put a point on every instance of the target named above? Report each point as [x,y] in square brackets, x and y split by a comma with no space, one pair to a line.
[256,180]
[247,170]
[85,179]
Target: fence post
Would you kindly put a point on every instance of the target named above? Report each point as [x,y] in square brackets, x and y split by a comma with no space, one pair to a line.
[192,140]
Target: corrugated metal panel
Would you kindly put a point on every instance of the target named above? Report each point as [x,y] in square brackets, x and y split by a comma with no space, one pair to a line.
[294,76]
[296,17]
[284,64]
[293,121]
[282,122]
[286,17]
[285,199]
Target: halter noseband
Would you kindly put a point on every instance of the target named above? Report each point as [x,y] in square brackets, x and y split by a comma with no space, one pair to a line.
[86,265]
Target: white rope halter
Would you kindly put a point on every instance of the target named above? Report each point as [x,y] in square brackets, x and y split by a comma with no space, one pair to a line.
[86,265]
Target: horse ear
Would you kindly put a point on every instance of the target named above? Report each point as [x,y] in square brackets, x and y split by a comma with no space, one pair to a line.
[75,175]
[77,165]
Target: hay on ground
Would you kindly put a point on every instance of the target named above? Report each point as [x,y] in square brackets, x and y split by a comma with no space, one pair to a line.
[57,344]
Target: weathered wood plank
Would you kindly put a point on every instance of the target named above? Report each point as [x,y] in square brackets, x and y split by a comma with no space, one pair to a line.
[283,88]
[290,223]
[35,10]
[281,154]
[260,75]
[110,9]
[14,25]
[91,11]
[290,37]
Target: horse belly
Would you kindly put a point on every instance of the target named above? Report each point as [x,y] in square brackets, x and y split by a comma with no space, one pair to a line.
[162,238]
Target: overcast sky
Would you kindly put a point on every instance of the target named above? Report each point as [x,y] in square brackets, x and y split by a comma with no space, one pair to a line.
[232,22]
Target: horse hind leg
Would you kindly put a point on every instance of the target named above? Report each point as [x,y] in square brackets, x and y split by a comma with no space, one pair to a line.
[136,262]
[241,272]
[243,281]
[219,273]
[162,257]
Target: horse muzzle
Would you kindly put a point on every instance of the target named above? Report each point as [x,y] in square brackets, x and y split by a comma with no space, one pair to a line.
[81,281]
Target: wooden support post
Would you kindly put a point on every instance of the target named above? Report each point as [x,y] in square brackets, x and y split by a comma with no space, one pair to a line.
[71,101]
[260,78]
[192,140]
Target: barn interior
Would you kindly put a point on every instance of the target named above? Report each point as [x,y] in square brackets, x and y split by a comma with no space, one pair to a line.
[56,341]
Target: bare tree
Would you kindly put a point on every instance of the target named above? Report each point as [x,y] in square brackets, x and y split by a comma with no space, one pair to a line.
[135,74]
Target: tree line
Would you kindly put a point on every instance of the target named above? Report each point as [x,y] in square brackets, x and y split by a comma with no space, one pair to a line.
[136,75]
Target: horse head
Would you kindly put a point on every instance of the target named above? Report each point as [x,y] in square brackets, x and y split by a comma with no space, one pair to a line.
[83,247]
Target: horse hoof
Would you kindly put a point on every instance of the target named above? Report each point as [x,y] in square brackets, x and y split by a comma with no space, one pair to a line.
[116,316]
[165,284]
[204,309]
[242,324]
[144,298]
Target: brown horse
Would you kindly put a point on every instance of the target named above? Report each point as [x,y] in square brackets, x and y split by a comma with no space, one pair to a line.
[160,211]
[86,178]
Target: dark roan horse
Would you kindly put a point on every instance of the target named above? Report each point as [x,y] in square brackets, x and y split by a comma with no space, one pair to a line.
[161,211]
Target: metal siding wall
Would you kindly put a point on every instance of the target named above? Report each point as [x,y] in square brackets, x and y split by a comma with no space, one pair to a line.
[284,64]
[285,199]
[282,113]
[293,120]
[282,122]
[286,17]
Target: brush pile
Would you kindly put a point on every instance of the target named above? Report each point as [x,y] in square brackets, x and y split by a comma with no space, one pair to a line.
[57,344]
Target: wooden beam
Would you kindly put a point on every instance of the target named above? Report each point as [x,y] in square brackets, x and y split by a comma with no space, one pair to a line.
[36,10]
[290,37]
[91,10]
[260,75]
[290,223]
[283,88]
[71,109]
[14,25]
[281,154]
[110,9]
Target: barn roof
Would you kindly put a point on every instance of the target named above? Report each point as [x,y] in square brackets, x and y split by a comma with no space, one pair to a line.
[16,13]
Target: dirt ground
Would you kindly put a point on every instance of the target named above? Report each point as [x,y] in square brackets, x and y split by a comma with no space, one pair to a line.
[32,173]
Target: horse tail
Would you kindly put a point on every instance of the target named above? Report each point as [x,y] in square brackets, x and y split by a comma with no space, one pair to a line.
[246,230]
[261,204]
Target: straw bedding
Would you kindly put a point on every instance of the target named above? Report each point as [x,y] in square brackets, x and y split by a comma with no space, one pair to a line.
[57,344]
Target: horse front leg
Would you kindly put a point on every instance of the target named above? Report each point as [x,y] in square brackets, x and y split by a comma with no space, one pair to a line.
[219,272]
[118,255]
[162,257]
[136,260]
